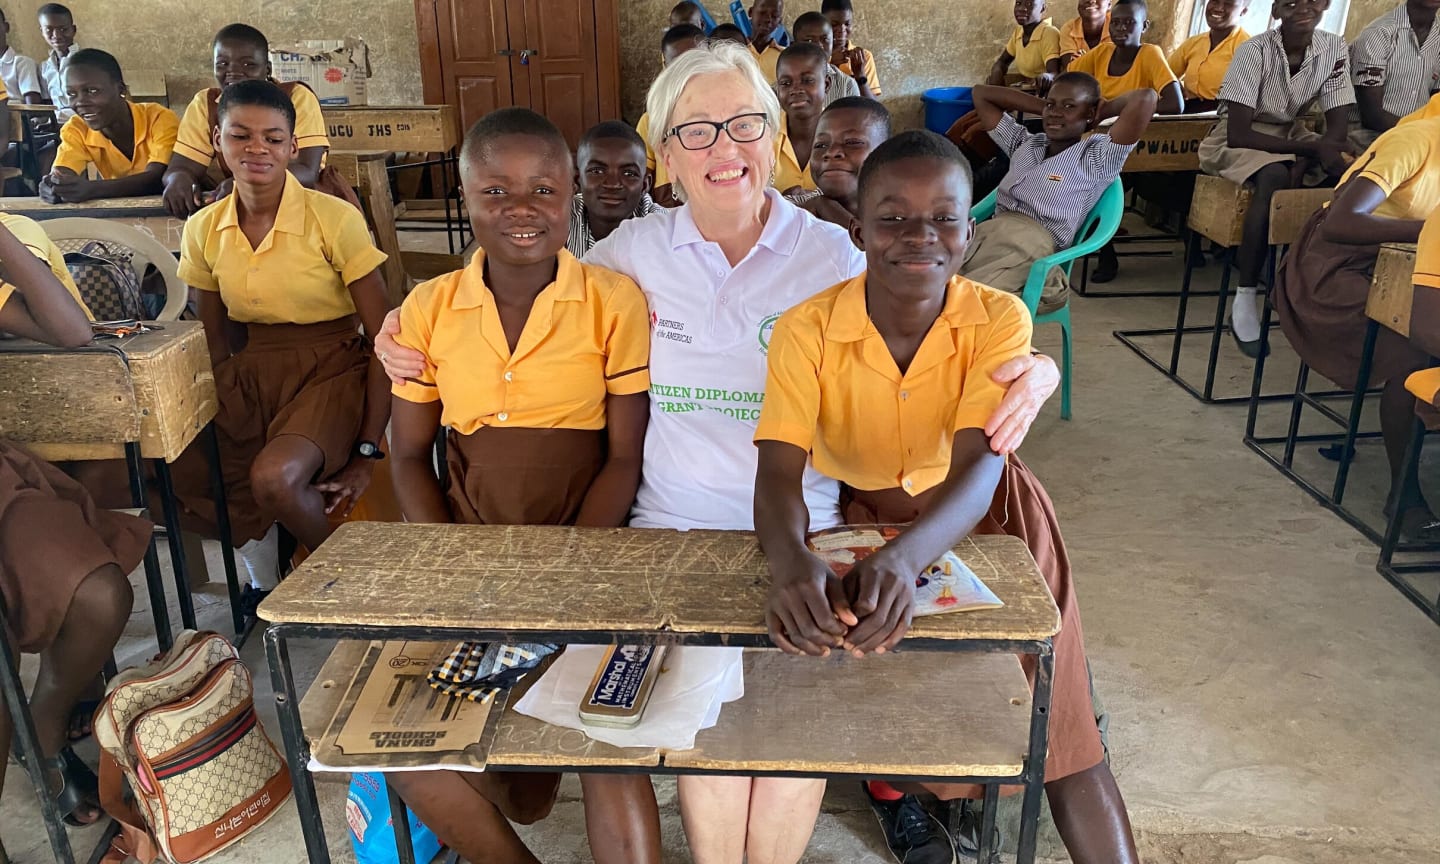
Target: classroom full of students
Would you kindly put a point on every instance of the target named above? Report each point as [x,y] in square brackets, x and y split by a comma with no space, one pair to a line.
[767,184]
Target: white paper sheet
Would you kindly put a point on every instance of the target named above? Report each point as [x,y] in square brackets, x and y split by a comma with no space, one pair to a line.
[694,684]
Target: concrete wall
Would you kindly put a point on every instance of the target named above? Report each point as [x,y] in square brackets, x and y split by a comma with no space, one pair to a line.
[174,35]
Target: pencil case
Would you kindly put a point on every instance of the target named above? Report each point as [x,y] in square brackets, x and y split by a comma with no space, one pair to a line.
[622,685]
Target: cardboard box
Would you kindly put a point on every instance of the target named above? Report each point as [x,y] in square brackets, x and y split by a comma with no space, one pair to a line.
[336,69]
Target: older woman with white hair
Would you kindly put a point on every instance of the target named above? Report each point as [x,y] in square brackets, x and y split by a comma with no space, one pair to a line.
[717,273]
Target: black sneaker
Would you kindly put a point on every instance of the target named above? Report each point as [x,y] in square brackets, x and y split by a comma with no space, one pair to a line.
[912,833]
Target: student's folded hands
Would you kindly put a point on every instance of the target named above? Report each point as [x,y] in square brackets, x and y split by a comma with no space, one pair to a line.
[880,591]
[64,187]
[807,611]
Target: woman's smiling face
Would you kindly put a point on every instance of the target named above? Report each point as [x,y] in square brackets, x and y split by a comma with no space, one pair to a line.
[728,175]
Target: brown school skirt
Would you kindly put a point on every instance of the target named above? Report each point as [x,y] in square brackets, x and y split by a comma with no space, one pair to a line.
[1021,508]
[52,536]
[1320,294]
[289,379]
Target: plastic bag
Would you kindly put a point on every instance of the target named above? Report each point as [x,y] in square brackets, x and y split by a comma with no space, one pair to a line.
[372,833]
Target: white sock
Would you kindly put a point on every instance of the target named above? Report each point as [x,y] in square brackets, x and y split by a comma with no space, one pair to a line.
[261,559]
[1245,314]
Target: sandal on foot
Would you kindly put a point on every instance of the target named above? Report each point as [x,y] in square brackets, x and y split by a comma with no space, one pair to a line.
[79,789]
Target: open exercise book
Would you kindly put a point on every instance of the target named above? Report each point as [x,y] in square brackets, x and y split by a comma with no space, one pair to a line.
[945,586]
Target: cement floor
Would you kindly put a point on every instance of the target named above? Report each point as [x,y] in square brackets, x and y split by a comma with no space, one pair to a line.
[1272,699]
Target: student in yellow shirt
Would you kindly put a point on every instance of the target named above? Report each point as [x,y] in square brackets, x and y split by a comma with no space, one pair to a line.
[1125,63]
[765,17]
[34,238]
[1324,281]
[538,365]
[1425,308]
[1034,48]
[241,53]
[1201,61]
[303,404]
[800,84]
[676,41]
[883,383]
[858,63]
[127,142]
[1089,29]
[1430,109]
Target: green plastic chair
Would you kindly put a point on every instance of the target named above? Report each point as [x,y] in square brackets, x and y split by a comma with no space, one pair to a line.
[1097,229]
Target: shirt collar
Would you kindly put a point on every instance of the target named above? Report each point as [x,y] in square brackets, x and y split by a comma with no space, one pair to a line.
[289,218]
[96,139]
[780,235]
[850,319]
[9,55]
[472,292]
[53,58]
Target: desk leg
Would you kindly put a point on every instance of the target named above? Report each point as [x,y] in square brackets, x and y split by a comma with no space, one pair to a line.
[382,210]
[153,583]
[400,820]
[24,732]
[222,523]
[1357,407]
[988,854]
[1184,307]
[297,752]
[1035,761]
[177,544]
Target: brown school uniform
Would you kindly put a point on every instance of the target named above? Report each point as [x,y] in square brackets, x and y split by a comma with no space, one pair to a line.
[303,369]
[1322,286]
[834,390]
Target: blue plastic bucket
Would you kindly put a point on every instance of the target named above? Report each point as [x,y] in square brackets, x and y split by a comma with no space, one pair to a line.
[945,105]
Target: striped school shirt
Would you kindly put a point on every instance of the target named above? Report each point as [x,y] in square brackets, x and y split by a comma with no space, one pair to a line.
[580,237]
[1058,191]
[1259,77]
[1388,54]
[838,85]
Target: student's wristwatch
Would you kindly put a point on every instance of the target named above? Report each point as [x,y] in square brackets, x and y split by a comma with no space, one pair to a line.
[369,450]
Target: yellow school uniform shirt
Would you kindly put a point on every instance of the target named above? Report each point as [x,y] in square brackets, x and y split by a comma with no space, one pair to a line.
[1405,163]
[1072,37]
[1427,253]
[1201,71]
[299,274]
[833,388]
[155,130]
[1148,72]
[767,59]
[196,143]
[587,337]
[1044,46]
[652,164]
[1425,112]
[788,173]
[872,77]
[34,238]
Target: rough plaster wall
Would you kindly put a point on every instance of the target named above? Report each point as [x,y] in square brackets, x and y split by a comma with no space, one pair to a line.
[174,35]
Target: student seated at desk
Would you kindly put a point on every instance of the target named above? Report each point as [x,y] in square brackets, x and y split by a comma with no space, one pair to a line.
[1395,64]
[302,402]
[20,74]
[800,84]
[127,142]
[858,63]
[1089,29]
[812,27]
[57,26]
[1055,179]
[241,53]
[1273,81]
[64,563]
[560,445]
[1125,63]
[611,171]
[902,355]
[1034,48]
[1323,282]
[676,41]
[1202,61]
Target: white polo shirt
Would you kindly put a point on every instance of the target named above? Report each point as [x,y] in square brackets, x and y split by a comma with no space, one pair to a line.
[21,74]
[52,72]
[710,326]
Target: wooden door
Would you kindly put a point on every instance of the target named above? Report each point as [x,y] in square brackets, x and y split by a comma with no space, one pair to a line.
[465,55]
[562,68]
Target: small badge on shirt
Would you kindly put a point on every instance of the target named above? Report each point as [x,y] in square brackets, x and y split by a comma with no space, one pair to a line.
[1056,178]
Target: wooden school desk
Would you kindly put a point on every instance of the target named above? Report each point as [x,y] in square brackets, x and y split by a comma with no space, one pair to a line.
[146,213]
[448,583]
[145,397]
[365,170]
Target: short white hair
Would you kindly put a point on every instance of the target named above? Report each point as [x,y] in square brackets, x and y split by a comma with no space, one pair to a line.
[710,58]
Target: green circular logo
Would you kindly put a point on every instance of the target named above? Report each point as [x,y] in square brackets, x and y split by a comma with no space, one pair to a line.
[767,326]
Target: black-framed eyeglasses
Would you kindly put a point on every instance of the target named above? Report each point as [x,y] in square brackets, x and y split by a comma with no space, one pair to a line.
[702,134]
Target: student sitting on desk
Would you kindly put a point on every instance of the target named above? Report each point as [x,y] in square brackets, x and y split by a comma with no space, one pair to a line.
[302,402]
[241,53]
[1202,61]
[858,63]
[1395,64]
[57,25]
[611,171]
[1055,179]
[64,563]
[812,27]
[559,444]
[766,16]
[902,355]
[800,85]
[676,41]
[1324,281]
[127,142]
[20,74]
[1089,29]
[1273,81]
[1034,48]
